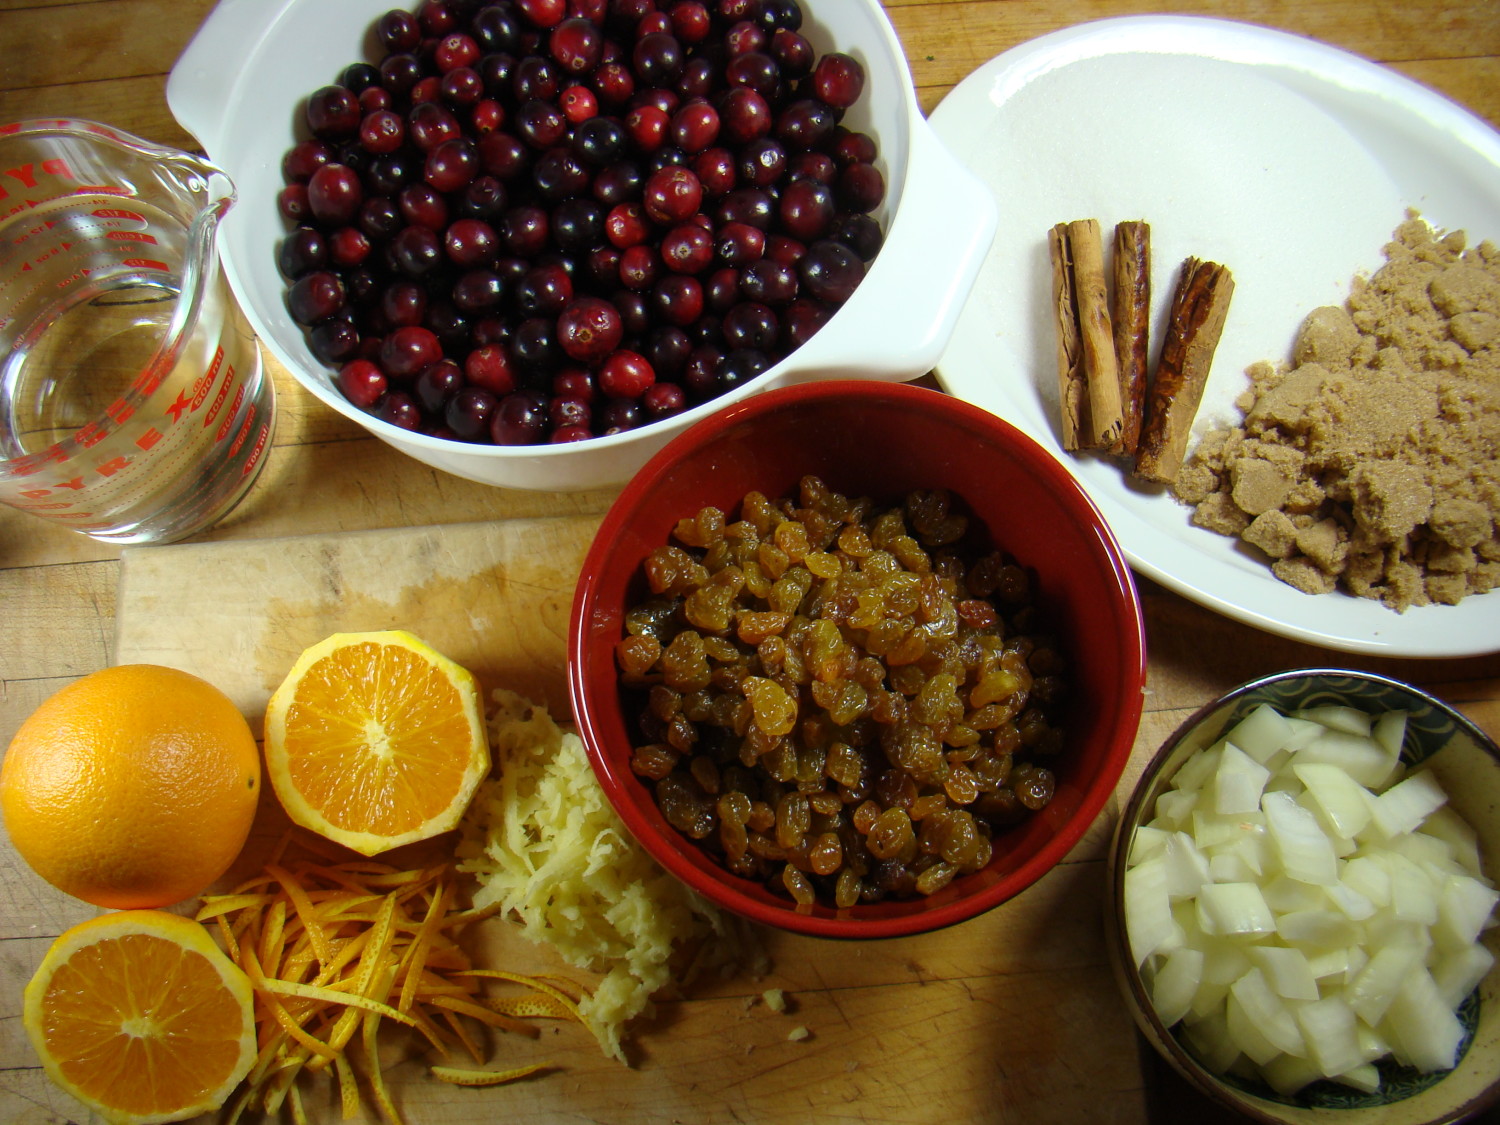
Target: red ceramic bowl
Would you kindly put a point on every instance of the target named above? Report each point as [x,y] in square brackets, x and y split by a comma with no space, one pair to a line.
[883,441]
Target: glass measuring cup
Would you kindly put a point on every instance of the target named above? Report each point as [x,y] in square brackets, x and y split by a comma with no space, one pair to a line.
[133,403]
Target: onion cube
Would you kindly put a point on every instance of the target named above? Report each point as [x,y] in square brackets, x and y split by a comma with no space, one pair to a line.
[1286,970]
[1423,1029]
[1373,991]
[1342,803]
[1303,848]
[1273,1018]
[1329,1029]
[1405,805]
[1238,782]
[1176,983]
[1234,908]
[1261,733]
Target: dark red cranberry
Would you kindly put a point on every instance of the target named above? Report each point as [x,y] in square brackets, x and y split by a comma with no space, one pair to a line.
[407,350]
[575,44]
[579,104]
[303,159]
[695,126]
[626,374]
[589,329]
[362,383]
[400,410]
[678,299]
[333,113]
[403,303]
[302,251]
[687,248]
[471,242]
[455,51]
[398,31]
[838,79]
[436,384]
[333,341]
[315,297]
[468,413]
[334,194]
[490,367]
[664,399]
[672,194]
[416,251]
[542,14]
[860,188]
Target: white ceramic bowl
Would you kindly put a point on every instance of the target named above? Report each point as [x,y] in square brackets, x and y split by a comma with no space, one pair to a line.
[239,88]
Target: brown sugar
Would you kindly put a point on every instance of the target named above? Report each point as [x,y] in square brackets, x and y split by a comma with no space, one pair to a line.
[1371,461]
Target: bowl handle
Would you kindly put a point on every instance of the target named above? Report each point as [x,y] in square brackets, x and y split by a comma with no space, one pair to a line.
[944,225]
[203,78]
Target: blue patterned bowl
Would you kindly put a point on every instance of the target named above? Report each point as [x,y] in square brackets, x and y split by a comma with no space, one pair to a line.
[1467,763]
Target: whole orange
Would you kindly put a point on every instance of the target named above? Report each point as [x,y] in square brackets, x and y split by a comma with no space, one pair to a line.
[132,787]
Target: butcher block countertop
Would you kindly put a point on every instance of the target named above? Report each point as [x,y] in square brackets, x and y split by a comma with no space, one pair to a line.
[1011,1017]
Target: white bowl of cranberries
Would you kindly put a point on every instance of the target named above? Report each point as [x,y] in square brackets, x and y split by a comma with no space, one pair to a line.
[529,241]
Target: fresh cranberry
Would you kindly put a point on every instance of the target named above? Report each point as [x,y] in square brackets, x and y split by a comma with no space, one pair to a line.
[579,104]
[400,410]
[626,374]
[519,419]
[468,413]
[490,367]
[454,51]
[362,383]
[838,80]
[315,297]
[407,350]
[333,113]
[334,194]
[589,329]
[672,194]
[687,248]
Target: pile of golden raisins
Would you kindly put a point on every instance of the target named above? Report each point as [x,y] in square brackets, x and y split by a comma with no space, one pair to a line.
[845,703]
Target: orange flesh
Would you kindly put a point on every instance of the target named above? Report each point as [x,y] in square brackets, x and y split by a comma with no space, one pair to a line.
[378,758]
[142,1023]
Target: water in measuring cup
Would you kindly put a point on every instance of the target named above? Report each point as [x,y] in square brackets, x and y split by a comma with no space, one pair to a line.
[101,425]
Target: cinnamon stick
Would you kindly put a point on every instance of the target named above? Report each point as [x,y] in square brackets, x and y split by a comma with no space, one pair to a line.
[1131,315]
[1196,320]
[1091,293]
[1071,386]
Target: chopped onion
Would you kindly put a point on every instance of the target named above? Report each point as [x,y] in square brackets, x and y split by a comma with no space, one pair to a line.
[1300,905]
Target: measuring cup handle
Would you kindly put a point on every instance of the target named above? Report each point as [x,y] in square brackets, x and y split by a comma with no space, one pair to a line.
[201,82]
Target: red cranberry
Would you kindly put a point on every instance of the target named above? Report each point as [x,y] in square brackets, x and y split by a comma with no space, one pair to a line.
[407,350]
[626,374]
[334,194]
[490,367]
[454,51]
[362,383]
[315,297]
[468,413]
[838,79]
[333,113]
[400,410]
[520,419]
[589,329]
[672,194]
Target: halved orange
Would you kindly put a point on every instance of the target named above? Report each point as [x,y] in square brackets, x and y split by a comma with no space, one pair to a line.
[375,740]
[139,1015]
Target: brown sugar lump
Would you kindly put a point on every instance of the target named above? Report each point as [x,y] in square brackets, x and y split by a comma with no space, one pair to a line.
[1370,462]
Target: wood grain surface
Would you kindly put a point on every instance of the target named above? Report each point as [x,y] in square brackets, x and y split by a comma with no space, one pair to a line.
[1009,1018]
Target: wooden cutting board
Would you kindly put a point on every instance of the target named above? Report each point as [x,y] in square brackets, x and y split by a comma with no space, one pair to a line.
[1013,1016]
[493,596]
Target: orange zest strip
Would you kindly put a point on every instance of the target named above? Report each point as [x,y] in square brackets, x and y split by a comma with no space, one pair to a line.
[305,910]
[261,984]
[462,1034]
[460,1077]
[486,1015]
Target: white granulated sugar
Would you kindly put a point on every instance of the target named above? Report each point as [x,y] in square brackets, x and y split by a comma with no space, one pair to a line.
[1225,162]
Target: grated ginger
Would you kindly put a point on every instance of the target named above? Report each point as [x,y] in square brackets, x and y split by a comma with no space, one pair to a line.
[549,851]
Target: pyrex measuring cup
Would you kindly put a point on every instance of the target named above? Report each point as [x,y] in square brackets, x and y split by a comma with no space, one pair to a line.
[133,403]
